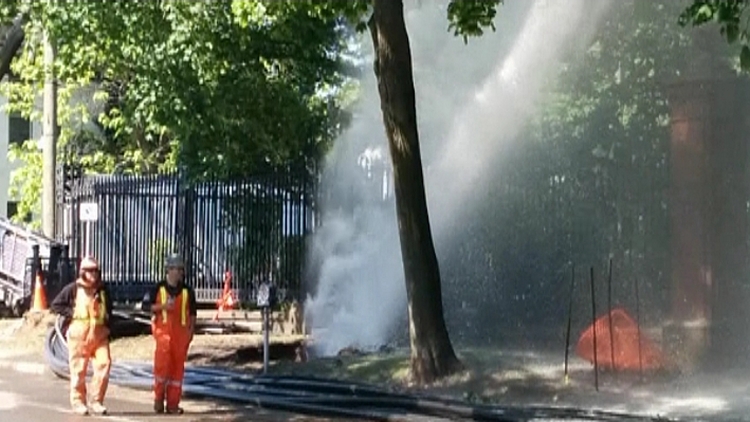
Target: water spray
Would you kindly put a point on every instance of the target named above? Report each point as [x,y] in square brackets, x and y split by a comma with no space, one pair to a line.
[355,251]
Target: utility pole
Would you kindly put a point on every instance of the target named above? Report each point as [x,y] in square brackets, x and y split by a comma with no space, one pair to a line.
[49,140]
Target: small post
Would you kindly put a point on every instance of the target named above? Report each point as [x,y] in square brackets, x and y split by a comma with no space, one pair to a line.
[593,326]
[638,326]
[609,317]
[266,300]
[266,311]
[89,238]
[570,317]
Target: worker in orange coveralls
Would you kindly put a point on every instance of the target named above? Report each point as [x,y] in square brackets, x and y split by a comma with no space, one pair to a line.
[173,307]
[88,305]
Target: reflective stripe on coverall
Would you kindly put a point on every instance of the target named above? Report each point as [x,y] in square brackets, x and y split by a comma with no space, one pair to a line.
[88,337]
[172,334]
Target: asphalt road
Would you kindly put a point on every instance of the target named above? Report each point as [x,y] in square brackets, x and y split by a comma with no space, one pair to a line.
[28,397]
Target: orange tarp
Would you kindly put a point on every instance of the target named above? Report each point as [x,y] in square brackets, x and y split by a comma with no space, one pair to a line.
[626,351]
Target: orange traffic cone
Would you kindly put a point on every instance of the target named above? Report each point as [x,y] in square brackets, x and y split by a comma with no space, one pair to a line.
[40,297]
[228,299]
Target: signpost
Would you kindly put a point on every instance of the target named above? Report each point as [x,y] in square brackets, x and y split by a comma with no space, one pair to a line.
[88,213]
[266,300]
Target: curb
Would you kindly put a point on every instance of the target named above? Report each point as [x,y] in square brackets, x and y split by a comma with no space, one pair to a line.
[24,367]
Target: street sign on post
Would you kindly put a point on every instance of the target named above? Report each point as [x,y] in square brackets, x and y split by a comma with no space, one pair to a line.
[88,212]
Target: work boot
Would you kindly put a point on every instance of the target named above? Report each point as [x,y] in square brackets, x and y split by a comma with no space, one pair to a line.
[158,406]
[98,409]
[80,409]
[175,411]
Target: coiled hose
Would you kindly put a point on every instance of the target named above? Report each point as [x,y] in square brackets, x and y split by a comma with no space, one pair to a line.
[317,396]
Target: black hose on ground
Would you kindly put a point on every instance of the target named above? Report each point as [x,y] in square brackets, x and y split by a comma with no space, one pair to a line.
[322,397]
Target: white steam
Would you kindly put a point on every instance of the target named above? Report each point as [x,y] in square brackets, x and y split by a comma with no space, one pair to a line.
[472,101]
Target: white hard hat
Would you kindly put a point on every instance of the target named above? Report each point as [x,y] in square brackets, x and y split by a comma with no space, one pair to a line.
[175,261]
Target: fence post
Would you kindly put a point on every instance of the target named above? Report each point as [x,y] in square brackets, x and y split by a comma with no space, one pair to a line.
[185,200]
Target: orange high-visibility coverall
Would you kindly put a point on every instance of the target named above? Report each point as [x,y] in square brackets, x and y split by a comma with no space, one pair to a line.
[88,337]
[173,333]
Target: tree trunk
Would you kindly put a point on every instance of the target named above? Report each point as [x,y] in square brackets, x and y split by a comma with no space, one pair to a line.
[432,354]
[11,44]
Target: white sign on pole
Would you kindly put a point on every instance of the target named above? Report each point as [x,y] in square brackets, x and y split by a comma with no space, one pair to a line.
[88,211]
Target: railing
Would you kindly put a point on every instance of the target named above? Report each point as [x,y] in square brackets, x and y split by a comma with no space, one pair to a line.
[20,250]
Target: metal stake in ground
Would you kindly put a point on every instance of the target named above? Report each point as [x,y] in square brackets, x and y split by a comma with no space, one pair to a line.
[609,317]
[570,317]
[266,311]
[638,327]
[593,326]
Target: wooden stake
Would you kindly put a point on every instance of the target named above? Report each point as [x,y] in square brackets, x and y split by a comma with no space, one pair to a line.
[638,326]
[609,317]
[593,325]
[570,317]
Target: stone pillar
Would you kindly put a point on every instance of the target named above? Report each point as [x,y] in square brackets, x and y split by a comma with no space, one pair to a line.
[708,209]
[690,119]
[728,220]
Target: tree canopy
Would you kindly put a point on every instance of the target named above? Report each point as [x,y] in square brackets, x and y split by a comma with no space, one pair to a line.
[220,89]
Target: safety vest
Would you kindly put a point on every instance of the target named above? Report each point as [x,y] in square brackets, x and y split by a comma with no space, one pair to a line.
[93,311]
[183,305]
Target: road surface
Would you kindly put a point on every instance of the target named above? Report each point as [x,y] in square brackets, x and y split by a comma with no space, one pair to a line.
[28,397]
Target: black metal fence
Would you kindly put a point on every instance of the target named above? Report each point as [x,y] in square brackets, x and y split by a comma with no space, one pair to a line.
[255,229]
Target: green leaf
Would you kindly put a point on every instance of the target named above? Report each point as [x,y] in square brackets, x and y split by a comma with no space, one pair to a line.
[468,18]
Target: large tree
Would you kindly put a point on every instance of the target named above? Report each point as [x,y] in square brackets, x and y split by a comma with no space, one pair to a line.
[432,355]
